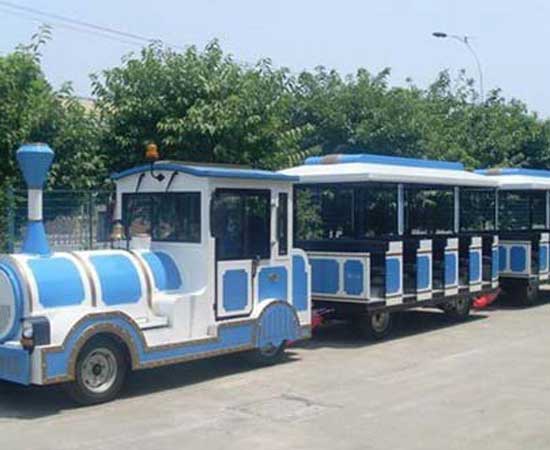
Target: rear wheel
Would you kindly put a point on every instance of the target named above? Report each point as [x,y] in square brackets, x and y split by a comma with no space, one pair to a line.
[527,295]
[376,325]
[267,355]
[458,309]
[100,372]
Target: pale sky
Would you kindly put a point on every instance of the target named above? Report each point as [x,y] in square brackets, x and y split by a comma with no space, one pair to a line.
[510,37]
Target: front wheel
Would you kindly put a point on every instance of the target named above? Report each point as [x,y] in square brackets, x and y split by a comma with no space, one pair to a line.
[268,355]
[100,372]
[376,325]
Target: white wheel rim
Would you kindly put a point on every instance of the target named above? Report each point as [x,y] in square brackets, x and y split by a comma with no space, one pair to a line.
[380,321]
[99,370]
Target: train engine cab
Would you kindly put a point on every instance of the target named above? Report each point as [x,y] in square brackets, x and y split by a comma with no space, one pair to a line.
[386,233]
[201,265]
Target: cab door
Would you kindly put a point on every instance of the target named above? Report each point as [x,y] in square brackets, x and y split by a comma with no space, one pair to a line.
[241,224]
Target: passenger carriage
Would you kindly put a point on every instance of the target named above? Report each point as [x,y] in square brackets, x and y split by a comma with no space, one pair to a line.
[203,265]
[524,226]
[386,234]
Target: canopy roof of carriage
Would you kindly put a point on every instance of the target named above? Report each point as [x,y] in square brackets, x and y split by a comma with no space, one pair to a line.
[379,168]
[519,179]
[207,170]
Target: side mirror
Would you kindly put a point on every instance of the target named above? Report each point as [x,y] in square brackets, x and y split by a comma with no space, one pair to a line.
[217,216]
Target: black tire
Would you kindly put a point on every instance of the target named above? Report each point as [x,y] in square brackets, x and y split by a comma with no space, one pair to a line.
[266,356]
[459,309]
[100,359]
[527,295]
[375,325]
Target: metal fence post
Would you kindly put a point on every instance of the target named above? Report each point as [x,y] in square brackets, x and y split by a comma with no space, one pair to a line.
[91,220]
[10,216]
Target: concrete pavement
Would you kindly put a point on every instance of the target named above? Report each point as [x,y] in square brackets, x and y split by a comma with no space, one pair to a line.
[435,385]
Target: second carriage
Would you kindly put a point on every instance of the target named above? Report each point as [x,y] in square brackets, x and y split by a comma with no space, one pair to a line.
[385,234]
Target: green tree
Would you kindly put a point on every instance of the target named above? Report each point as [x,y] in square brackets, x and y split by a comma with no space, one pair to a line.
[32,111]
[198,106]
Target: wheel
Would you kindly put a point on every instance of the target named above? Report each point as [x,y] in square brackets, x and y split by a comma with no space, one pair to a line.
[100,372]
[458,309]
[267,356]
[527,295]
[376,325]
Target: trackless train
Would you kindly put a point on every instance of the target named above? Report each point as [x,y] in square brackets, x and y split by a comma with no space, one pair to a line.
[208,260]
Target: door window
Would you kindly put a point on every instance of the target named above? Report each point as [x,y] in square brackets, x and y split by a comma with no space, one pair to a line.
[243,224]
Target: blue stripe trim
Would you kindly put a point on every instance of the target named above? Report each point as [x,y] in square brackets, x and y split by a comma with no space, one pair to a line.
[165,271]
[383,159]
[515,171]
[299,283]
[57,363]
[276,323]
[119,279]
[18,298]
[15,365]
[212,172]
[58,281]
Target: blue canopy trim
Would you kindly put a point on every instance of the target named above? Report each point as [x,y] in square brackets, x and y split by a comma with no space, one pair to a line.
[209,172]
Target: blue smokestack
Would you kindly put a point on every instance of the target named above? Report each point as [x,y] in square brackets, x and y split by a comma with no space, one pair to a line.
[35,161]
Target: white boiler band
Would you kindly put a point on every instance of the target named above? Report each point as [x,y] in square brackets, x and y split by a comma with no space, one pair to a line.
[35,204]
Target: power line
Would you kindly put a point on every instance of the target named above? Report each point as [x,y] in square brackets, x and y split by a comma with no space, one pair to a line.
[77,24]
[70,27]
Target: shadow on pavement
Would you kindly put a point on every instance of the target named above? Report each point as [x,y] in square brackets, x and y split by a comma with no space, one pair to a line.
[18,402]
[340,334]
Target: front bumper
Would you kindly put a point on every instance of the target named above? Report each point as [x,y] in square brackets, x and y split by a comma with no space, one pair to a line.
[15,364]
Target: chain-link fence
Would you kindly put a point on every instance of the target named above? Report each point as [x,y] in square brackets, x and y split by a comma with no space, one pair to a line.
[74,220]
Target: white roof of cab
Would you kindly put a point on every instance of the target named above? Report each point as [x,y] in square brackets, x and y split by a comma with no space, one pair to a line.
[376,168]
[519,179]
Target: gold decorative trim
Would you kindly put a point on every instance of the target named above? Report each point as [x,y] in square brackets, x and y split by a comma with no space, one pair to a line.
[89,276]
[148,281]
[134,354]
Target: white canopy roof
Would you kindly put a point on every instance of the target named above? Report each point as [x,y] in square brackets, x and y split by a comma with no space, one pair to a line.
[521,182]
[519,178]
[392,173]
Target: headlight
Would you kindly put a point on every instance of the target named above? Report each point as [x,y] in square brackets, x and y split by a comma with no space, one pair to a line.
[28,331]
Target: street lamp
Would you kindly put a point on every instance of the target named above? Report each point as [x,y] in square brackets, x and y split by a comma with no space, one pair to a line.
[466,41]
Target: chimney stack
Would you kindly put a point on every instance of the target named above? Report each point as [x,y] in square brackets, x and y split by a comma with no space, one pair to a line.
[35,161]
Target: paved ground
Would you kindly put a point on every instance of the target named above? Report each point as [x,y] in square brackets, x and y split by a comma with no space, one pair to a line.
[436,385]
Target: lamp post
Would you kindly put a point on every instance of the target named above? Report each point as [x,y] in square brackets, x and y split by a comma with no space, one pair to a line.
[466,41]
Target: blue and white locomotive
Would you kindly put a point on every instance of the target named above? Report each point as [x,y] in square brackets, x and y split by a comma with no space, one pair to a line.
[203,266]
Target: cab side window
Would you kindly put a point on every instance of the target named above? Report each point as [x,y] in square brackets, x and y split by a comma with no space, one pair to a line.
[166,217]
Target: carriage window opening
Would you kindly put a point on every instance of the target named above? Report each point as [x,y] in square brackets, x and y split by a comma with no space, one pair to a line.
[324,212]
[331,212]
[282,224]
[538,210]
[376,211]
[168,217]
[429,210]
[477,209]
[513,210]
[245,231]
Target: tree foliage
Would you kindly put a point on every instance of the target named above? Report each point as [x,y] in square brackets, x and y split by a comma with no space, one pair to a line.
[199,106]
[32,111]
